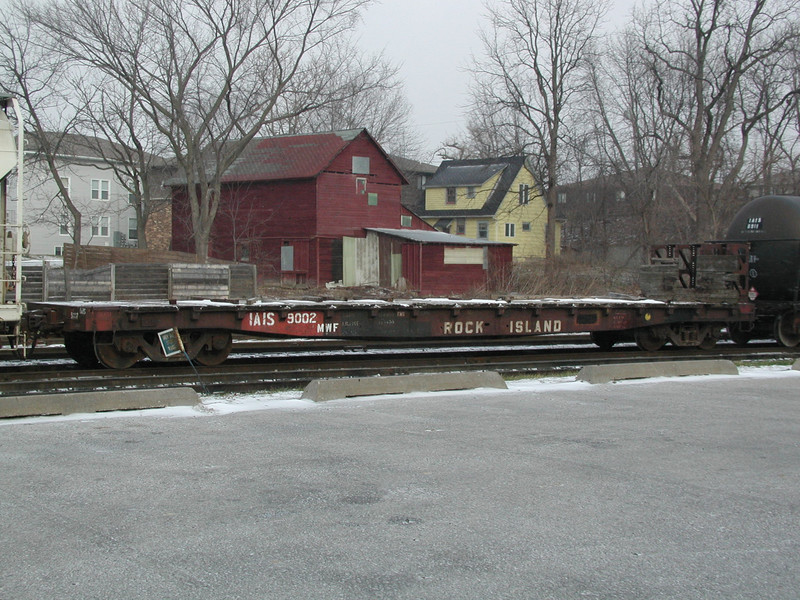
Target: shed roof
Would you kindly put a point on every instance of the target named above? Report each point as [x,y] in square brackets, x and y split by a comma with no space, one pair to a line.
[435,237]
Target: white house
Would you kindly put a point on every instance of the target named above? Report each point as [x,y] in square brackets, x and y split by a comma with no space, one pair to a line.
[84,165]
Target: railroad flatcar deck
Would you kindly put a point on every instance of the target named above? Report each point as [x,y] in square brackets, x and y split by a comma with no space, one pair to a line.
[118,334]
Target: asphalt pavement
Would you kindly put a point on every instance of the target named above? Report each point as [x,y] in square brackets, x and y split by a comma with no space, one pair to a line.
[684,488]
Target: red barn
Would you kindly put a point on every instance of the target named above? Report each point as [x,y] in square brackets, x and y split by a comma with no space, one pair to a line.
[289,204]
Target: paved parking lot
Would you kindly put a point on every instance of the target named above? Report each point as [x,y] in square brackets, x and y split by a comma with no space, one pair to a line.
[686,488]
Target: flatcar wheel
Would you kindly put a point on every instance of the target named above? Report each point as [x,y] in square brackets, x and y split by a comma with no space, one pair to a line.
[216,352]
[784,331]
[708,342]
[604,340]
[650,339]
[80,347]
[110,355]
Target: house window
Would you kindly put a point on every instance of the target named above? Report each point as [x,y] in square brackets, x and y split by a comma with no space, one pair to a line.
[65,183]
[100,189]
[510,229]
[133,231]
[461,226]
[372,199]
[451,196]
[562,197]
[526,226]
[58,251]
[405,220]
[100,226]
[361,165]
[361,185]
[524,193]
[421,181]
[483,230]
[471,191]
[63,225]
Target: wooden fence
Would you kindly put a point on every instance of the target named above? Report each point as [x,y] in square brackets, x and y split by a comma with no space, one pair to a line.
[46,282]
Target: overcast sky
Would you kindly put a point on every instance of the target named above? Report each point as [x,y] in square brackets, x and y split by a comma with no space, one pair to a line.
[432,40]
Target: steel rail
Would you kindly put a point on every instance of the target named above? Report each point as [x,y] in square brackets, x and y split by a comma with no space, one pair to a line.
[254,374]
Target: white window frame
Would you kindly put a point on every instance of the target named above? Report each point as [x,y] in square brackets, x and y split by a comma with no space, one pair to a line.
[406,221]
[511,230]
[64,225]
[101,225]
[524,194]
[133,227]
[101,190]
[483,230]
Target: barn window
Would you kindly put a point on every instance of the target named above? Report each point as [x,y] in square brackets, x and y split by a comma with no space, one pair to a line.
[372,199]
[361,165]
[361,185]
[405,220]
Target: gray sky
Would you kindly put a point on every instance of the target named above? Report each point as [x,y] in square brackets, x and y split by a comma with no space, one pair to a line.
[432,40]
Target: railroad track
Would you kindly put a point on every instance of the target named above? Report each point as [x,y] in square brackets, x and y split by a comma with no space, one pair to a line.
[262,370]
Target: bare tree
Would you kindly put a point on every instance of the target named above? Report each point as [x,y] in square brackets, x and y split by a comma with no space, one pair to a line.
[699,54]
[372,97]
[209,74]
[42,80]
[135,154]
[536,52]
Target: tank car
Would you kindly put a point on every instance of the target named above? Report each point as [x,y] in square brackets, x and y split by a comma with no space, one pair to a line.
[771,226]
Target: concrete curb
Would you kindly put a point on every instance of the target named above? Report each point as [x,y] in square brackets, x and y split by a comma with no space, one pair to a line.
[87,402]
[608,373]
[320,390]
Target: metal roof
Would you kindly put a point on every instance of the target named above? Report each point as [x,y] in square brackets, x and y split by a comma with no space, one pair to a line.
[289,157]
[435,237]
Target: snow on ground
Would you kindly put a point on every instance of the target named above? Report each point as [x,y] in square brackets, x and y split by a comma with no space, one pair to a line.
[224,404]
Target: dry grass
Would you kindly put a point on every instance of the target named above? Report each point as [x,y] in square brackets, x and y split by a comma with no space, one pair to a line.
[563,277]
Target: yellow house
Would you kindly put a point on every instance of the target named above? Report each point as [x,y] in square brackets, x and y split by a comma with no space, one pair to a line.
[494,199]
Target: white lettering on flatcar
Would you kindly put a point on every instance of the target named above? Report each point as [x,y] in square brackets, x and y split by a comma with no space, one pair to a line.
[544,326]
[463,328]
[304,318]
[327,327]
[257,319]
